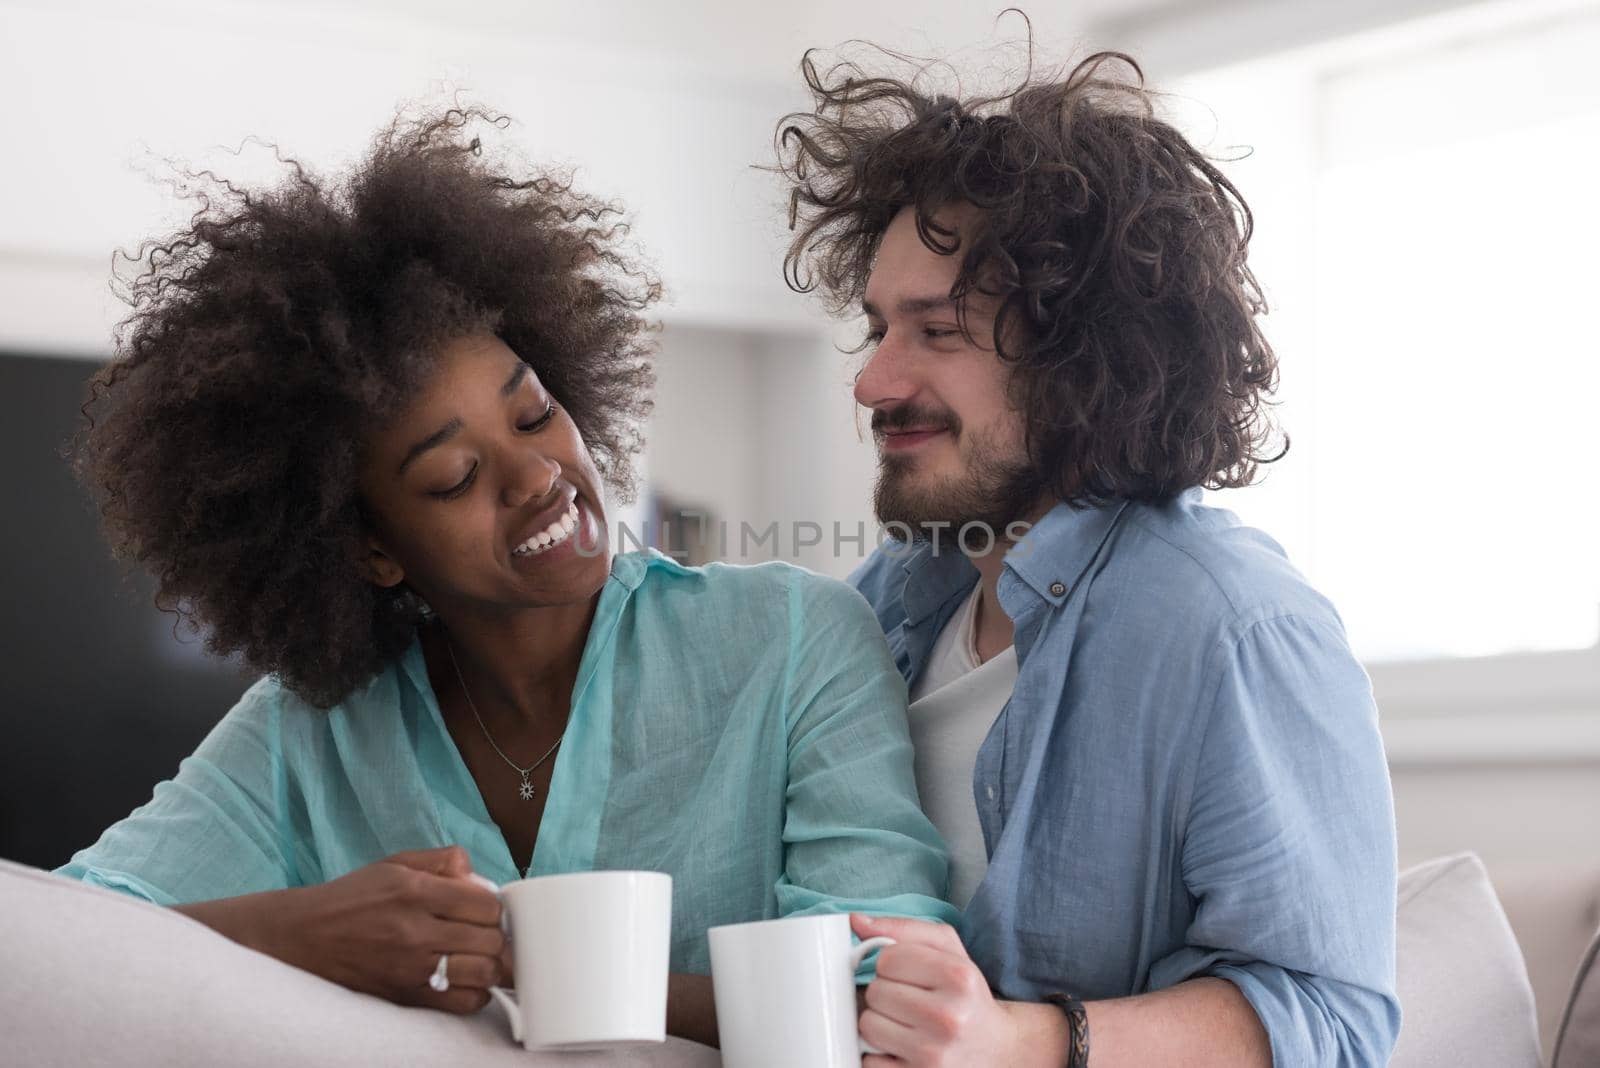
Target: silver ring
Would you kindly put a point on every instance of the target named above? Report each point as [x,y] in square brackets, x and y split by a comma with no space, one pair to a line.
[440,980]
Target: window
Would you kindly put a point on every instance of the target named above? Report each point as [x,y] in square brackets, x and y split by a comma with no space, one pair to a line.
[1429,236]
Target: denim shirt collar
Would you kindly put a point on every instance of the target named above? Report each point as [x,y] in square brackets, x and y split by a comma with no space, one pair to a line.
[933,576]
[1055,553]
[1042,569]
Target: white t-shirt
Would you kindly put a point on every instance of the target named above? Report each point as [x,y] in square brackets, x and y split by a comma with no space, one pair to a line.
[953,704]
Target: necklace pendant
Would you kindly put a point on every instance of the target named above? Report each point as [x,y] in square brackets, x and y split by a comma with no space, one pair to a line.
[525,791]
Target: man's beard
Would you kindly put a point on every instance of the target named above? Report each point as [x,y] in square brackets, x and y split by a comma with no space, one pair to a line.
[991,492]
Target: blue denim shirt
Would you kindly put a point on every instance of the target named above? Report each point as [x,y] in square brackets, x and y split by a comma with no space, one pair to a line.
[1187,781]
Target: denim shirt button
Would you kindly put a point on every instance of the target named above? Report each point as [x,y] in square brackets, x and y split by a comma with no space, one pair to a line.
[1058,589]
[989,792]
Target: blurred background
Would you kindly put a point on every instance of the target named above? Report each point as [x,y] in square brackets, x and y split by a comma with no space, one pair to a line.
[1423,175]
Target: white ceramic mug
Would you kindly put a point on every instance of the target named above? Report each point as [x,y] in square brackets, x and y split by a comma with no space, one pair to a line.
[591,952]
[786,992]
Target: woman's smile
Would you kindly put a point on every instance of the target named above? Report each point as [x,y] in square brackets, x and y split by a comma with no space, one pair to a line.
[549,537]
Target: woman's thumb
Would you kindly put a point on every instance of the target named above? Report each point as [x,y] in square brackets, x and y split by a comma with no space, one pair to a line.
[445,860]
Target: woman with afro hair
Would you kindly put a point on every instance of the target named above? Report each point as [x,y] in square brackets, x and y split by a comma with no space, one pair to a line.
[362,432]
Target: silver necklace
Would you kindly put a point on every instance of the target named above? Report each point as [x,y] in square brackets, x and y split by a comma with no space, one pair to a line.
[526,790]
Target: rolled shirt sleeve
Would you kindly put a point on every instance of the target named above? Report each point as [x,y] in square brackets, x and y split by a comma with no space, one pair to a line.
[215,829]
[1289,848]
[855,836]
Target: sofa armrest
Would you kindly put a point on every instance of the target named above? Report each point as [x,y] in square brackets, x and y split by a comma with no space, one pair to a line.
[93,977]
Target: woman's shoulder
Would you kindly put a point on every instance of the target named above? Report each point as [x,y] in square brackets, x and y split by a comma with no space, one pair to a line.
[772,585]
[270,713]
[777,607]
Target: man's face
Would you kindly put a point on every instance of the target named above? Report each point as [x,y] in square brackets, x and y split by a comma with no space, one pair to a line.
[481,492]
[950,442]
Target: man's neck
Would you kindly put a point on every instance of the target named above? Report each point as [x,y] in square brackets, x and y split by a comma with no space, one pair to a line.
[992,627]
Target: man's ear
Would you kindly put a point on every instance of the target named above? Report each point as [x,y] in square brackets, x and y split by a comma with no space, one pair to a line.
[383,569]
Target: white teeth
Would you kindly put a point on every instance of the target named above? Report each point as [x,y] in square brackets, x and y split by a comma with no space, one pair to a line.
[554,534]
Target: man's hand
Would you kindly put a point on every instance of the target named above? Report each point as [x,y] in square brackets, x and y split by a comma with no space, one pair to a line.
[930,1006]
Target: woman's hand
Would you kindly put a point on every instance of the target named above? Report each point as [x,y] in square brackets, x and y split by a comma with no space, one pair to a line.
[381,929]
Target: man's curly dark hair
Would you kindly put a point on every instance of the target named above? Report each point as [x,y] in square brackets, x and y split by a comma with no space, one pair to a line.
[273,333]
[1114,247]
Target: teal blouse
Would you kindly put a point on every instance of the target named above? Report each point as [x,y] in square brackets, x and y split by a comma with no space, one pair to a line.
[741,728]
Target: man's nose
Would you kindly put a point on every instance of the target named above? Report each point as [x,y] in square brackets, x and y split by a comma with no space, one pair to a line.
[530,476]
[886,378]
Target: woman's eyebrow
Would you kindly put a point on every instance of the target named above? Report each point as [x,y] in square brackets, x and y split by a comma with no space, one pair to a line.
[453,427]
[437,438]
[515,380]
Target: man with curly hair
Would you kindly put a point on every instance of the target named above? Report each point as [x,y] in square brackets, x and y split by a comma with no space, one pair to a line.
[1141,731]
[365,431]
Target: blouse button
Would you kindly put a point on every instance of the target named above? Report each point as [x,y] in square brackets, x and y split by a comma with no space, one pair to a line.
[1058,589]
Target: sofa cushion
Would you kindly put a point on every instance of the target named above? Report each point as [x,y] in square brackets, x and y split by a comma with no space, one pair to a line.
[1463,988]
[1554,909]
[93,977]
[1578,1042]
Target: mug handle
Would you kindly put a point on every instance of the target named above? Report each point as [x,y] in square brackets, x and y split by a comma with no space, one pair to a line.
[857,955]
[503,997]
[508,1002]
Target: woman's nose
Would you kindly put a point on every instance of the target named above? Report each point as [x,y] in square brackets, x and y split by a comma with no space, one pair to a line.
[530,476]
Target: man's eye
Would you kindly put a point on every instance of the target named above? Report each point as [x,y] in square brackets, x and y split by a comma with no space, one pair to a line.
[874,337]
[458,489]
[939,331]
[538,424]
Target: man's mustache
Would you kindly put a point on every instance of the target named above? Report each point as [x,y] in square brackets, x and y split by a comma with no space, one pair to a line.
[906,416]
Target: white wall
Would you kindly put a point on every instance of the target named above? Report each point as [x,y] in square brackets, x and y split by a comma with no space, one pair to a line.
[702,444]
[93,92]
[760,428]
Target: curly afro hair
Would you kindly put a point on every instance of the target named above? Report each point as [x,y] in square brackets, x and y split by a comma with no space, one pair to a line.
[1114,248]
[274,332]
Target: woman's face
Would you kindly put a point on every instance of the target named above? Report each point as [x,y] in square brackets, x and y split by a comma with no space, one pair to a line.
[482,493]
